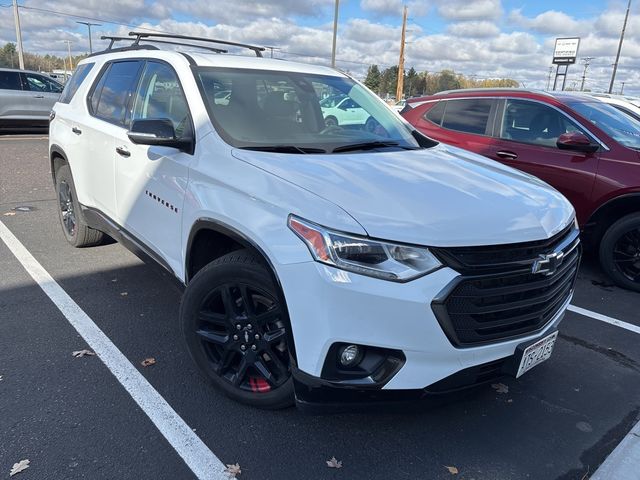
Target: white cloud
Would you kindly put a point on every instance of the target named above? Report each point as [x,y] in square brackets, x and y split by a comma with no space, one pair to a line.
[470,9]
[474,29]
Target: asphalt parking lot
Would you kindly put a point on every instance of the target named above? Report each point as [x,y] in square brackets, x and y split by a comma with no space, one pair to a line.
[72,418]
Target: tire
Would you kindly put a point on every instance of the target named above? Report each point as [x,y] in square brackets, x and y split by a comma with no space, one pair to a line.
[221,332]
[74,226]
[331,121]
[620,252]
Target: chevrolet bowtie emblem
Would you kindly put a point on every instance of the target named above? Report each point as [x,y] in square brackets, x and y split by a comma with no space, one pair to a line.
[548,264]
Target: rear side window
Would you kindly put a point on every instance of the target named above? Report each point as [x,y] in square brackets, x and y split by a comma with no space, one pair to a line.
[40,83]
[468,115]
[74,83]
[110,99]
[435,113]
[10,81]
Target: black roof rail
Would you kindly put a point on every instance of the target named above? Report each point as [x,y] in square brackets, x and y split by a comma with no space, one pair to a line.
[145,36]
[166,42]
[122,49]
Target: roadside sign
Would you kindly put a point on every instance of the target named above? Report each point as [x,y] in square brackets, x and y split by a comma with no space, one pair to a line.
[566,51]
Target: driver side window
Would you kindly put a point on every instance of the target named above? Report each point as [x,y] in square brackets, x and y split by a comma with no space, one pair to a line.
[160,96]
[534,123]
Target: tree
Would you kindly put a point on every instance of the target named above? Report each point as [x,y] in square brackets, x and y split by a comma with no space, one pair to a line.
[373,78]
[8,55]
[410,81]
[447,80]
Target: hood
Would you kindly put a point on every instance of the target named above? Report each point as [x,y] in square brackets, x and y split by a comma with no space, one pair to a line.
[441,196]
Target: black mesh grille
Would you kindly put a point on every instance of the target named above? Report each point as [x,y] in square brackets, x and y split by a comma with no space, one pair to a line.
[498,296]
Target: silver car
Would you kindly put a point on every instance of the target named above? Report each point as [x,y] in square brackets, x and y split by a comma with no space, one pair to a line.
[26,98]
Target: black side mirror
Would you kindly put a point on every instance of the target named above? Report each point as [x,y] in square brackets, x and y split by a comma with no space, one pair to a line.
[160,132]
[576,141]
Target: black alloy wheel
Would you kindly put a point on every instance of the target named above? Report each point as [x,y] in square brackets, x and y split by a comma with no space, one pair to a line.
[236,328]
[67,212]
[620,252]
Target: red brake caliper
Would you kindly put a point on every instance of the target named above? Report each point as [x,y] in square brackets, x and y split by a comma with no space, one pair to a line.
[259,384]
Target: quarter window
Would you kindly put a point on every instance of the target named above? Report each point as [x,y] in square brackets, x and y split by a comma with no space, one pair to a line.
[435,113]
[110,99]
[160,96]
[468,115]
[10,81]
[534,123]
[74,83]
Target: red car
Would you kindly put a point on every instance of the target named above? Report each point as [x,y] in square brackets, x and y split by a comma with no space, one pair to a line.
[583,147]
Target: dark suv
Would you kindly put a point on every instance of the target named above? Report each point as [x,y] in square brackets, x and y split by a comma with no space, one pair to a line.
[583,147]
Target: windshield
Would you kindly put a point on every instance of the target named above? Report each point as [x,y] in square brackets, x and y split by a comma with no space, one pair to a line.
[299,113]
[621,127]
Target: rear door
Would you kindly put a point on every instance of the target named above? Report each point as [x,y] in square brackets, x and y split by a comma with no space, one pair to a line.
[463,122]
[526,139]
[44,94]
[151,180]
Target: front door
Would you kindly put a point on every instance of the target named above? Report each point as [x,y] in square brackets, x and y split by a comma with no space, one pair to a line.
[44,94]
[527,141]
[151,180]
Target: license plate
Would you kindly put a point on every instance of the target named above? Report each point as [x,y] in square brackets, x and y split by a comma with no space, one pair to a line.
[537,353]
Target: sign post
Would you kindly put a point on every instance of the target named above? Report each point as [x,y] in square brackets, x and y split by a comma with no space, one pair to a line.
[565,53]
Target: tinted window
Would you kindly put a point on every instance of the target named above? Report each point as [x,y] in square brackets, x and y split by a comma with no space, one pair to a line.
[469,116]
[535,123]
[40,83]
[434,114]
[74,83]
[160,96]
[116,91]
[10,81]
[627,111]
[617,125]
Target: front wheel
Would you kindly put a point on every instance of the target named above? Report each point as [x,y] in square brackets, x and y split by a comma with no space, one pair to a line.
[620,252]
[235,326]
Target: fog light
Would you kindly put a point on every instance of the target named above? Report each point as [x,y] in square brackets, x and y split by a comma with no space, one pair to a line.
[350,355]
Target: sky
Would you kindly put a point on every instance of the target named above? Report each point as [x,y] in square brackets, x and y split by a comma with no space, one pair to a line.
[484,38]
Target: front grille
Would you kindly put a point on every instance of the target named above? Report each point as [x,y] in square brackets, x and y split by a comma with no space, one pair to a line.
[497,296]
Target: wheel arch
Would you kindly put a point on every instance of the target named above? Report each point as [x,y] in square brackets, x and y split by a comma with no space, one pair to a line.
[210,229]
[611,211]
[57,158]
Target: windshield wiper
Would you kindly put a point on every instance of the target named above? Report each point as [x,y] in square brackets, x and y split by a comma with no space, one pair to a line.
[364,146]
[284,149]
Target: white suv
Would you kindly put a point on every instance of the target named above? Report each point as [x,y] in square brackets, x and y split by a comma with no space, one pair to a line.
[320,263]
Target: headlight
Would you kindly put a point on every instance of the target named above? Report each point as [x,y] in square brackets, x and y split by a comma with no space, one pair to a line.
[388,261]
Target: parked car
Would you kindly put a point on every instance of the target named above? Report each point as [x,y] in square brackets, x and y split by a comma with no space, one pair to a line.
[585,148]
[621,103]
[345,112]
[399,106]
[26,99]
[338,264]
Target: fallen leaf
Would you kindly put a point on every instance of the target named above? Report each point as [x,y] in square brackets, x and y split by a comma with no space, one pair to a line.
[124,294]
[19,467]
[334,463]
[233,470]
[9,214]
[500,387]
[452,470]
[148,361]
[82,353]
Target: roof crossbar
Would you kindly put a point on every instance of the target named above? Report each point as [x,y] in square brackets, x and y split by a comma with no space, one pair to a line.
[144,36]
[166,42]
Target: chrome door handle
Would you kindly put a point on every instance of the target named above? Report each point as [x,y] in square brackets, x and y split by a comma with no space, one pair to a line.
[76,130]
[506,154]
[123,152]
[38,96]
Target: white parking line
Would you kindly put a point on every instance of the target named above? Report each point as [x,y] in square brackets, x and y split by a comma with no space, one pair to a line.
[198,457]
[605,318]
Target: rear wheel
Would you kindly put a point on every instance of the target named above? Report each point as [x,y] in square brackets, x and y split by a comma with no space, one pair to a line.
[75,229]
[620,252]
[235,326]
[331,121]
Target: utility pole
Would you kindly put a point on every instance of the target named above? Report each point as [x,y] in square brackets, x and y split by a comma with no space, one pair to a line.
[335,34]
[89,25]
[615,65]
[586,61]
[622,88]
[16,18]
[272,49]
[549,78]
[400,87]
[68,42]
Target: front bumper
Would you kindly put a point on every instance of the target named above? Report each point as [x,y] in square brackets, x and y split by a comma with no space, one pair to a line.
[327,305]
